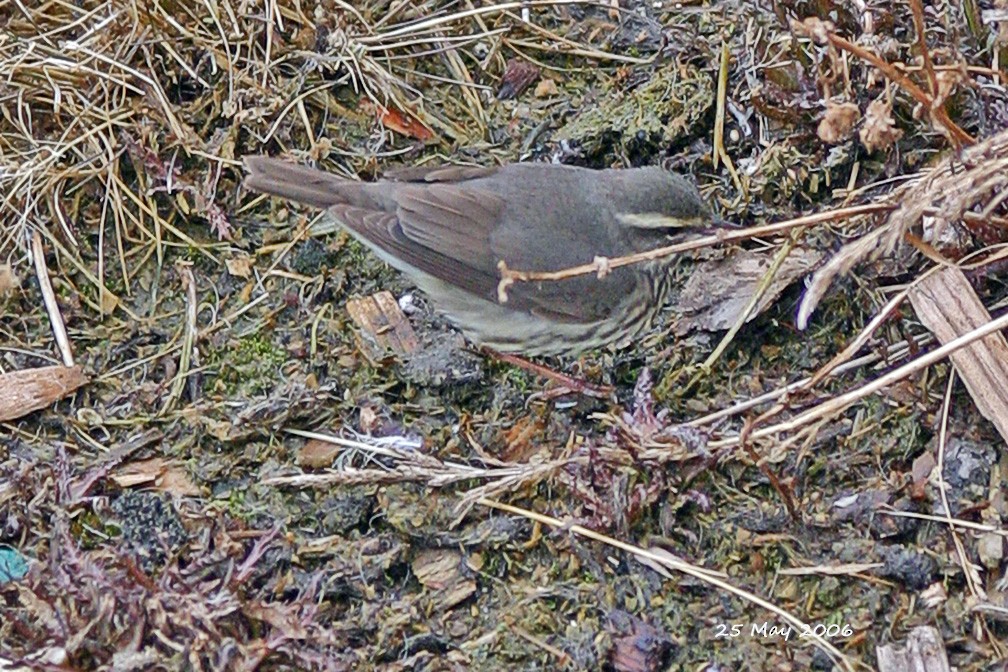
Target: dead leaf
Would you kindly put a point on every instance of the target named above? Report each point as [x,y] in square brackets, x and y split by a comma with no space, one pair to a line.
[717,291]
[440,570]
[518,75]
[283,617]
[838,122]
[637,645]
[317,454]
[239,266]
[398,121]
[9,282]
[546,88]
[109,301]
[920,472]
[879,130]
[523,439]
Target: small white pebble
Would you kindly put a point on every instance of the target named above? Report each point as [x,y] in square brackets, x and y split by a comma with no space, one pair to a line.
[407,304]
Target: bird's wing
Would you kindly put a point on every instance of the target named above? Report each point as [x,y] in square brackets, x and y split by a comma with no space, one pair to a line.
[453,219]
[440,233]
[445,230]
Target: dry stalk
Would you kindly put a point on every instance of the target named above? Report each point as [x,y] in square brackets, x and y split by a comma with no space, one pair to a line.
[836,405]
[822,32]
[603,265]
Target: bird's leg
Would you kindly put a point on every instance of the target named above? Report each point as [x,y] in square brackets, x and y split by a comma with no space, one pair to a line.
[572,384]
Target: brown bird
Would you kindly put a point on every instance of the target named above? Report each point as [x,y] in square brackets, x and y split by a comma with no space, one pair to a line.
[447,228]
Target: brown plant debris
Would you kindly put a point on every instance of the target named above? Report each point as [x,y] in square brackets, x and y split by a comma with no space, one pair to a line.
[948,306]
[960,190]
[22,392]
[329,503]
[385,328]
[879,130]
[518,76]
[838,122]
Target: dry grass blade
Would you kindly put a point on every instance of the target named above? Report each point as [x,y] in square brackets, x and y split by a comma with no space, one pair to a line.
[52,308]
[407,464]
[831,407]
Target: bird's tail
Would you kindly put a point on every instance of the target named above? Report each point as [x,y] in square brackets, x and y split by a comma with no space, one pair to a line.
[296,183]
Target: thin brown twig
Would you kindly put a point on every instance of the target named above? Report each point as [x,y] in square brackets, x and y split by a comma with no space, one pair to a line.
[602,265]
[778,486]
[917,9]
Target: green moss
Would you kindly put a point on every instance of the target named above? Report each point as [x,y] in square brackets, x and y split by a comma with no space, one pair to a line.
[647,117]
[250,367]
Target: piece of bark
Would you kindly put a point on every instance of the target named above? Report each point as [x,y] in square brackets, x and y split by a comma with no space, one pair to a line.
[385,327]
[923,651]
[22,392]
[441,572]
[947,305]
[718,290]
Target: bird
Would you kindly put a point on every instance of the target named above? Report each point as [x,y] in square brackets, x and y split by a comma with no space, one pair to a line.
[449,227]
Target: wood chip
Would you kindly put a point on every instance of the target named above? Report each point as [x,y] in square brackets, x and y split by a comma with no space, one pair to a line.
[22,392]
[947,305]
[385,328]
[924,651]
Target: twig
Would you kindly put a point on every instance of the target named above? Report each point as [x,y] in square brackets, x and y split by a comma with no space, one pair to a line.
[917,9]
[821,30]
[602,265]
[838,404]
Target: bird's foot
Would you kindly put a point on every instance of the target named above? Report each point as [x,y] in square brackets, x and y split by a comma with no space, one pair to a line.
[568,384]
